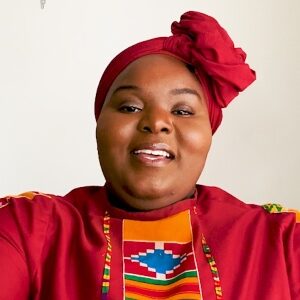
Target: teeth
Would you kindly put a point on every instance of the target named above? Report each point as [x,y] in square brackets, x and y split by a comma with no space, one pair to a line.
[153,152]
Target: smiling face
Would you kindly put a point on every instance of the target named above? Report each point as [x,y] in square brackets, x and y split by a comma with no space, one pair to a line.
[153,133]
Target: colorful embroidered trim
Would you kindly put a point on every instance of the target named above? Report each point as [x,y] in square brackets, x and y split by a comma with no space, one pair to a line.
[107,263]
[159,260]
[213,268]
[28,195]
[277,208]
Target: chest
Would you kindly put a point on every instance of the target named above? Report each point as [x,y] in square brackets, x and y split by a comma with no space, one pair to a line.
[162,259]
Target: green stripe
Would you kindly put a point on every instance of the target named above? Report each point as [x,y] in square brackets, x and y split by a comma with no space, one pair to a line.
[161,282]
[106,271]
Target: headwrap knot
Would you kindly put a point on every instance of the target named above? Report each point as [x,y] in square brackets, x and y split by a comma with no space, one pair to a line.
[204,44]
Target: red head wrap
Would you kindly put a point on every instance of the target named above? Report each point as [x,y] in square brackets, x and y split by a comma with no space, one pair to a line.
[201,42]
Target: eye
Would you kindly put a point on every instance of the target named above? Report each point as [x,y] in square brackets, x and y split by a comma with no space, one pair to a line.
[182,112]
[129,109]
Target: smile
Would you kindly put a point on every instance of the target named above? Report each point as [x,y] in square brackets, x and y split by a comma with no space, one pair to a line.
[155,153]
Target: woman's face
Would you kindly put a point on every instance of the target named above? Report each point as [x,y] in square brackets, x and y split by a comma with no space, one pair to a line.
[153,133]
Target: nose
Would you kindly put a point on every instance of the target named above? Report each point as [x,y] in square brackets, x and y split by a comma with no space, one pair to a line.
[156,121]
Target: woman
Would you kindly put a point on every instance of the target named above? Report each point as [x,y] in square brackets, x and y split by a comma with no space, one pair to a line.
[151,232]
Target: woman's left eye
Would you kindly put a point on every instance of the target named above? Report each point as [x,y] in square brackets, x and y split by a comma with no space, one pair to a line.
[129,109]
[182,112]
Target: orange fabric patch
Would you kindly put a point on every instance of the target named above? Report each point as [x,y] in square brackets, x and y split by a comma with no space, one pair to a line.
[28,195]
[160,230]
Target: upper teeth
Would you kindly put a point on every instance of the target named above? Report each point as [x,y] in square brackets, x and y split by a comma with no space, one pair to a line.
[153,152]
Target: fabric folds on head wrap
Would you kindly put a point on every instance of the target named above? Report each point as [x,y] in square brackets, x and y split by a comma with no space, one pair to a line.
[201,42]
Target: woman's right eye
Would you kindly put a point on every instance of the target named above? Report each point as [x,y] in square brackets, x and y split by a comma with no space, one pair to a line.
[129,109]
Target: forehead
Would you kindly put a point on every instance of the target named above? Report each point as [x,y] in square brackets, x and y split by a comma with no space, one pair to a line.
[158,71]
[152,64]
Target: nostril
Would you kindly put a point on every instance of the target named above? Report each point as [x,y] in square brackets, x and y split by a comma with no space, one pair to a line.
[155,125]
[146,129]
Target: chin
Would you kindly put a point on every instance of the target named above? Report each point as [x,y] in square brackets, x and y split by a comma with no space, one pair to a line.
[148,191]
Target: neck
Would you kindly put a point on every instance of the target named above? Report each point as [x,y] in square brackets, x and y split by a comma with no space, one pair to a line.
[140,204]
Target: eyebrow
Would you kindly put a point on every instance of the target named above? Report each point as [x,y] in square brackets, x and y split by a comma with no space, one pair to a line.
[174,92]
[125,87]
[184,91]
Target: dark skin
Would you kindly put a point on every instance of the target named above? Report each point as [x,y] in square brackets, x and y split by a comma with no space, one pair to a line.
[153,134]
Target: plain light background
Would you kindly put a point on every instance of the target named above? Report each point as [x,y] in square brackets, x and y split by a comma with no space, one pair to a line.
[51,61]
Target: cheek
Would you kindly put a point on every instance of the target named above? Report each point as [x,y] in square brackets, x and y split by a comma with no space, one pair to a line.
[113,133]
[196,141]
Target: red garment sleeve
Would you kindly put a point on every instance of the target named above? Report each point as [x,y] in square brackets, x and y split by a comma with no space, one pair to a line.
[23,226]
[291,244]
[289,222]
[294,264]
[13,272]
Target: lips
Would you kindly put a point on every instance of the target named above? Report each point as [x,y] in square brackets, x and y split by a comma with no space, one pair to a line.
[153,152]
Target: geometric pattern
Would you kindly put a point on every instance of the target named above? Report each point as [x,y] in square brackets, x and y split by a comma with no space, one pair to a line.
[107,263]
[159,260]
[160,269]
[277,208]
[213,268]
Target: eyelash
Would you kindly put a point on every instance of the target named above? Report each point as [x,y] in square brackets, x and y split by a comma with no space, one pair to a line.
[129,109]
[182,112]
[134,109]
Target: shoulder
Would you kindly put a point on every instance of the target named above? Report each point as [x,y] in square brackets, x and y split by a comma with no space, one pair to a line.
[27,205]
[276,208]
[24,221]
[27,213]
[22,204]
[216,199]
[43,203]
[224,213]
[286,217]
[226,206]
[27,219]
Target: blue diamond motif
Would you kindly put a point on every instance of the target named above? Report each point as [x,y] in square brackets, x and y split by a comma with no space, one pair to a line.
[158,260]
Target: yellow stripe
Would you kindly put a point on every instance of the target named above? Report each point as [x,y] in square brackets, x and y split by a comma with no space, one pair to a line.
[298,217]
[176,297]
[28,195]
[157,287]
[175,228]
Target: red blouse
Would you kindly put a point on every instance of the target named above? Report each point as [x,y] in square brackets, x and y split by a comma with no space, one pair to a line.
[210,247]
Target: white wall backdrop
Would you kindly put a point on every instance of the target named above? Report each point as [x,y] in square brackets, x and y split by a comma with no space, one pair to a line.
[51,61]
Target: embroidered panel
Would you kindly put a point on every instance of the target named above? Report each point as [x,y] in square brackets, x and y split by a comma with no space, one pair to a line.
[107,264]
[159,260]
[277,208]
